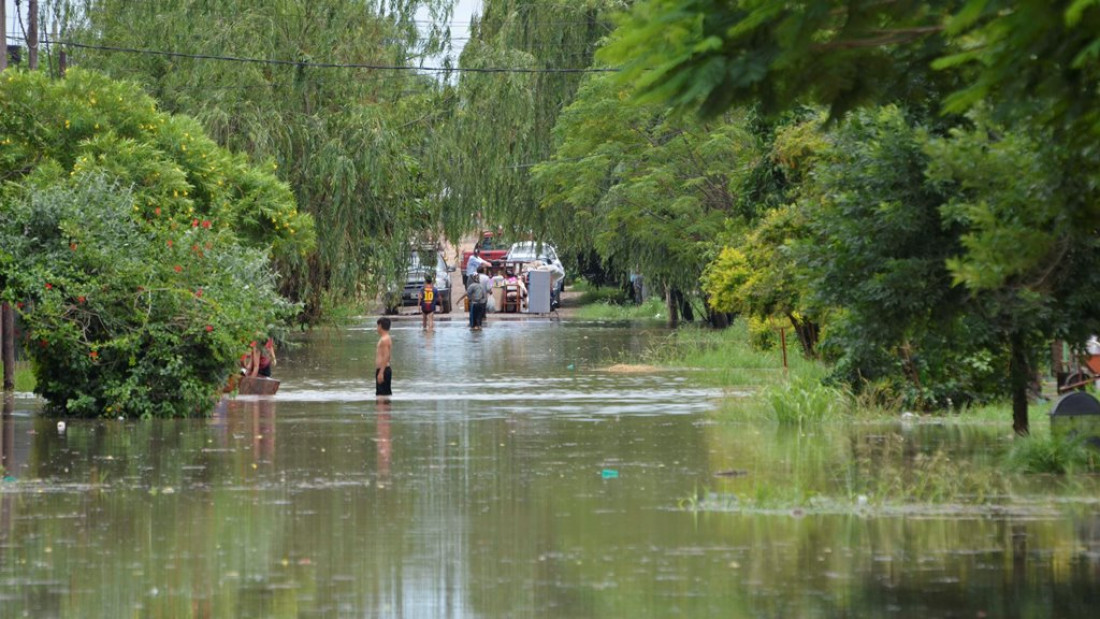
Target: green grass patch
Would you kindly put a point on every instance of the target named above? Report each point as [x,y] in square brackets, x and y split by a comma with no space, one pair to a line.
[24,377]
[652,309]
[798,402]
[730,360]
[1049,454]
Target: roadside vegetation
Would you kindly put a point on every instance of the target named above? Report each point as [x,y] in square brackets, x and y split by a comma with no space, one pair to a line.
[922,233]
[24,378]
[135,250]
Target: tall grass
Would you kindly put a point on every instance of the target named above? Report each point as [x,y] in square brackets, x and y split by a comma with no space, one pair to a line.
[1050,454]
[730,360]
[799,402]
[600,308]
[24,377]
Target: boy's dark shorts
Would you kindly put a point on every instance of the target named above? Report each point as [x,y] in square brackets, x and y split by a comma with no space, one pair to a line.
[384,387]
[427,308]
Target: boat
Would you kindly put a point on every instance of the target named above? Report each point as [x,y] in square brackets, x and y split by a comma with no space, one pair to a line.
[257,385]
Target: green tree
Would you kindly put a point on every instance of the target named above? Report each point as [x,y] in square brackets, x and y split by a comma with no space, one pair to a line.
[1031,64]
[350,142]
[135,249]
[645,188]
[712,54]
[1026,252]
[500,125]
[756,273]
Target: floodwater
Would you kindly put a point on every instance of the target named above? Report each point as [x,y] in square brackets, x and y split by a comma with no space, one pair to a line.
[511,476]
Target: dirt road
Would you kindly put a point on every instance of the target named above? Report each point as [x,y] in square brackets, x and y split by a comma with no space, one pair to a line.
[453,254]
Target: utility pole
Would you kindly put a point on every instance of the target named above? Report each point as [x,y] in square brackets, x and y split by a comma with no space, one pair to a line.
[7,339]
[6,334]
[3,34]
[32,34]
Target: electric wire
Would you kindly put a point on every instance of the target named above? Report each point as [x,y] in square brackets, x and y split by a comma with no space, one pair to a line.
[331,65]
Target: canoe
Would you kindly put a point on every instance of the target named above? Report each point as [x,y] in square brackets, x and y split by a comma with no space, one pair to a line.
[257,385]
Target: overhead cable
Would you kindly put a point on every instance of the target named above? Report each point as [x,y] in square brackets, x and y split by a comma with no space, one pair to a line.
[331,65]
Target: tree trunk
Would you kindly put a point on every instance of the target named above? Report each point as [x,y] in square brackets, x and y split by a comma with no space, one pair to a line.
[718,320]
[1019,377]
[7,343]
[807,333]
[673,308]
[686,313]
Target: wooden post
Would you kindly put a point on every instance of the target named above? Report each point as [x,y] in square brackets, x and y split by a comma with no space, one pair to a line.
[7,344]
[783,344]
[32,34]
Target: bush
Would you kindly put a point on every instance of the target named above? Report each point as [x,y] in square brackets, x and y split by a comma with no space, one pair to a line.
[126,319]
[798,401]
[1051,454]
[134,247]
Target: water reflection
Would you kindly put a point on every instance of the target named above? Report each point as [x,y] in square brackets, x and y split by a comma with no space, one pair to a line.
[478,492]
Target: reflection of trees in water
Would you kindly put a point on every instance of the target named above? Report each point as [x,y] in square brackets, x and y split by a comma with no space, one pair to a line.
[548,536]
[836,565]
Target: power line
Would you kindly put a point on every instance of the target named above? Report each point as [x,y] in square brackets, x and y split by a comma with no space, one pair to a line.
[330,65]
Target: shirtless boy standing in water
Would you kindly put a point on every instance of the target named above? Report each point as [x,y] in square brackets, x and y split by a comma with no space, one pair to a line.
[382,373]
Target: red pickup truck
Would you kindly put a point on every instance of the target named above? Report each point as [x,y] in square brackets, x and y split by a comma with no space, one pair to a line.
[492,248]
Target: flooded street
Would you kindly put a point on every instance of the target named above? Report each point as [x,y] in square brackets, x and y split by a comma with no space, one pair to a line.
[511,476]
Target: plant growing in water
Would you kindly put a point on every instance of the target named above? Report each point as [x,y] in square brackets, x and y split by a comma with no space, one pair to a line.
[799,402]
[1050,454]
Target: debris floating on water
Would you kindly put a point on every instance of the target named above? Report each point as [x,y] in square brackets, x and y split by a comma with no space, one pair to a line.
[630,368]
[609,474]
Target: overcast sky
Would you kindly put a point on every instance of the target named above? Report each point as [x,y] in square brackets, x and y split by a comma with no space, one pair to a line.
[460,29]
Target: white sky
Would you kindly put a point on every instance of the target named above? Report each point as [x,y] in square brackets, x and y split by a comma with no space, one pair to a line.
[11,27]
[460,27]
[460,30]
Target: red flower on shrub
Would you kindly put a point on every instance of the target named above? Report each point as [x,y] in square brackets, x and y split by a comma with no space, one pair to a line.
[72,246]
[198,293]
[194,223]
[209,328]
[206,224]
[43,343]
[80,299]
[157,210]
[93,355]
[169,243]
[178,268]
[195,248]
[49,286]
[19,305]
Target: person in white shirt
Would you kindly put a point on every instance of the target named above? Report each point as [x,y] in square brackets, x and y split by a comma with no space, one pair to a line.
[475,263]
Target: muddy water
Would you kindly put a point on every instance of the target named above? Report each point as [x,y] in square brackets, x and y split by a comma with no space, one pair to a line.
[509,477]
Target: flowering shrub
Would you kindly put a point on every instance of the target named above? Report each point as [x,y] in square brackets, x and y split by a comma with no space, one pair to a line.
[136,250]
[125,319]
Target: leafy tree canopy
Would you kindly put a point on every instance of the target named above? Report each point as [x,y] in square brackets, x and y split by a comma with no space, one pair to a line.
[712,54]
[135,249]
[646,188]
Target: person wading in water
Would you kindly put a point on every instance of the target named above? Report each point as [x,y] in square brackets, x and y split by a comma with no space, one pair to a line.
[427,304]
[383,375]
